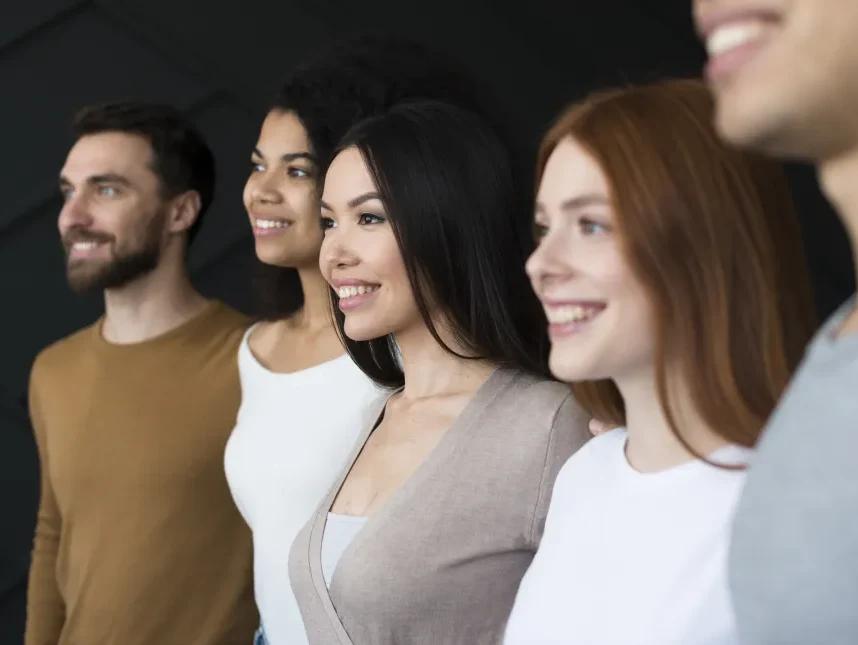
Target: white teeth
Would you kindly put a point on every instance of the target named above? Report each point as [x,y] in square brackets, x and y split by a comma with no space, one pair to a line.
[570,313]
[84,246]
[350,292]
[733,35]
[270,223]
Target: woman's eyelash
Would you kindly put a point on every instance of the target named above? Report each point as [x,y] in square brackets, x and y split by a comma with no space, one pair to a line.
[370,218]
[591,226]
[292,171]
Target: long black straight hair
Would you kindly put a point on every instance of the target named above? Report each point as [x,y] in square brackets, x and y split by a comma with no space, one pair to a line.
[447,186]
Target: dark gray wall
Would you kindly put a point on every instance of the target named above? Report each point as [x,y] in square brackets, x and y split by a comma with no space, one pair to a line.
[221,61]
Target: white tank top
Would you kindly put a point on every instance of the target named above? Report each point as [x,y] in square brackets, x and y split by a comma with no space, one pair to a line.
[340,531]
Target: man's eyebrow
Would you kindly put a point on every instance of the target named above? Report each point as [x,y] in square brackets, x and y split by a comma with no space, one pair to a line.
[108,178]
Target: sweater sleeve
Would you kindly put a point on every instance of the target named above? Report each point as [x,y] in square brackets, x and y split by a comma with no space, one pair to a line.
[569,431]
[45,606]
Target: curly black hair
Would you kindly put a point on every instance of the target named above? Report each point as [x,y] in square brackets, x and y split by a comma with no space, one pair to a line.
[343,85]
[362,77]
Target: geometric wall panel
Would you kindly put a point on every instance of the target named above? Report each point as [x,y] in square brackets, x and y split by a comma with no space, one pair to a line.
[19,19]
[79,60]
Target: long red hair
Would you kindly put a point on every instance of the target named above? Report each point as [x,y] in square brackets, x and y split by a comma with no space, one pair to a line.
[711,234]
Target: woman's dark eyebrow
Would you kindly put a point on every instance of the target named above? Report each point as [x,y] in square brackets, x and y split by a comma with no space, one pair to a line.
[289,156]
[357,201]
[292,156]
[360,199]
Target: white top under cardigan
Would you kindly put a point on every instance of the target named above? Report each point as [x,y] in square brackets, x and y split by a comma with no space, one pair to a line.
[293,435]
[340,531]
[629,558]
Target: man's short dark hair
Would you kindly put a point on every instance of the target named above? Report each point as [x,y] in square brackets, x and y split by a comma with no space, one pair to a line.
[182,160]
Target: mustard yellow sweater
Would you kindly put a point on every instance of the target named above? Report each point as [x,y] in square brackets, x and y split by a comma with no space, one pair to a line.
[137,540]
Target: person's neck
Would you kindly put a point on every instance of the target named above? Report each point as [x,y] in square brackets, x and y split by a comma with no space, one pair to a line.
[839,180]
[315,314]
[431,371]
[652,445]
[151,305]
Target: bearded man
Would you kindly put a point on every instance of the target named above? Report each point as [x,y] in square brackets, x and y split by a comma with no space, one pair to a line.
[137,539]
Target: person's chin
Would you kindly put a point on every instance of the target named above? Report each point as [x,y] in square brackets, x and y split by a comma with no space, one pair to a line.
[358,332]
[735,115]
[569,369]
[755,116]
[84,280]
[273,255]
[85,269]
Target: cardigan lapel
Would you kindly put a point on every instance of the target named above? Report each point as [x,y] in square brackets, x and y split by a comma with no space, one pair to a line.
[318,528]
[493,387]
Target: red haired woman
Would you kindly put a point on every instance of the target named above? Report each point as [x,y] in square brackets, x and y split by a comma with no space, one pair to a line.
[670,269]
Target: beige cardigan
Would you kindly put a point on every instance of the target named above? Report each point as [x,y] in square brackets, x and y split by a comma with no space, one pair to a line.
[441,561]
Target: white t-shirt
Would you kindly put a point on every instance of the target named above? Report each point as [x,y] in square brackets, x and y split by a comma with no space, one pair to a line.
[629,558]
[293,435]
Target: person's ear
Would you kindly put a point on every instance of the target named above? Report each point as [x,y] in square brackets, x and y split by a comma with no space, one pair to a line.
[184,211]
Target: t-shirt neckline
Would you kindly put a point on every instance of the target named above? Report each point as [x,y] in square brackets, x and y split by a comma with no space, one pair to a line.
[729,454]
[203,315]
[260,367]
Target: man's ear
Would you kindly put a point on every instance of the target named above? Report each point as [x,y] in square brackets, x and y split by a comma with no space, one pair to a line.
[184,211]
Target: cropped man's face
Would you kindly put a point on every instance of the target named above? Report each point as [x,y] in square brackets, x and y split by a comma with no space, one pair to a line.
[785,73]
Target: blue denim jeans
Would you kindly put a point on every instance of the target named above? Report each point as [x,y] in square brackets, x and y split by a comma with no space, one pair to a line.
[259,637]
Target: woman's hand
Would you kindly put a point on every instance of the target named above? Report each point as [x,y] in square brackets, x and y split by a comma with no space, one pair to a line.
[598,427]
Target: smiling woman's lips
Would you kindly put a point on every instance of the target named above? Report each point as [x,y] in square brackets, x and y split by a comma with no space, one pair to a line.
[355,295]
[569,318]
[265,227]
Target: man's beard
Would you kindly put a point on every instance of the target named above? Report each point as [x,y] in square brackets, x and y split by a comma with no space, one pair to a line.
[89,276]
